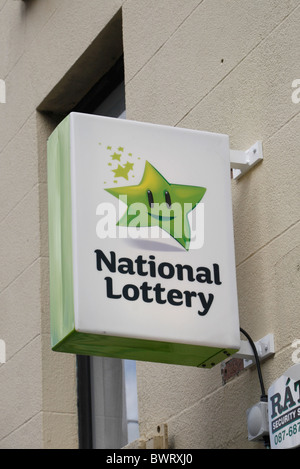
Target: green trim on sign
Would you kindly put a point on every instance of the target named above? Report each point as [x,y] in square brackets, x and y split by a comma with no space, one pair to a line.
[140,349]
[60,232]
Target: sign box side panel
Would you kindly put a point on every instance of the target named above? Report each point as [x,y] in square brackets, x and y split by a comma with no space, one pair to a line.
[143,350]
[60,232]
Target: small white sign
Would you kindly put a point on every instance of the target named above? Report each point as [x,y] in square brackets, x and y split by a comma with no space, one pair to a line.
[284,410]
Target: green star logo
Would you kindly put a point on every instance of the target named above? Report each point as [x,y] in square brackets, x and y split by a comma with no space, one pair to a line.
[156,202]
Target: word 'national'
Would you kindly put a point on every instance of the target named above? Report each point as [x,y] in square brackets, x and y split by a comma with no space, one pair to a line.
[165,270]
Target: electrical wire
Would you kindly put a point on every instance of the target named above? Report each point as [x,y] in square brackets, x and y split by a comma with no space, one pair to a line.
[264,396]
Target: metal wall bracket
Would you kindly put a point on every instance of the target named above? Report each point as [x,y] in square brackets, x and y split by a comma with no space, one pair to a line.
[159,440]
[242,161]
[265,348]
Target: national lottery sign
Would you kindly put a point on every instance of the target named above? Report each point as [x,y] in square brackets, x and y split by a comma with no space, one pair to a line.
[141,243]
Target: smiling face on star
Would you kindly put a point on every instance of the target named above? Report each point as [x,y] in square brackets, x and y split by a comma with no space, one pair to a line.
[159,203]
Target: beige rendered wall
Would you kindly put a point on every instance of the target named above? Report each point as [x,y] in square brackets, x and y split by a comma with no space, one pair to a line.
[217,65]
[227,66]
[41,41]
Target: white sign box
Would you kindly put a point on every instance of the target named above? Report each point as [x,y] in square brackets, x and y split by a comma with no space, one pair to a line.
[284,410]
[141,243]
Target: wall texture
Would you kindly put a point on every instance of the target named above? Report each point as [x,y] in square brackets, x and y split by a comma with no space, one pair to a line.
[217,65]
[41,45]
[227,66]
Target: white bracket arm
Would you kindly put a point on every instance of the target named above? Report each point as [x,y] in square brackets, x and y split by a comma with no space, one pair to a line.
[242,161]
[265,348]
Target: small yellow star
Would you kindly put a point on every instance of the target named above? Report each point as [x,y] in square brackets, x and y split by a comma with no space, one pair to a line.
[116,156]
[129,166]
[121,172]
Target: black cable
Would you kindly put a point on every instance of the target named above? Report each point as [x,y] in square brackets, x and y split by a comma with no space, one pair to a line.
[264,396]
